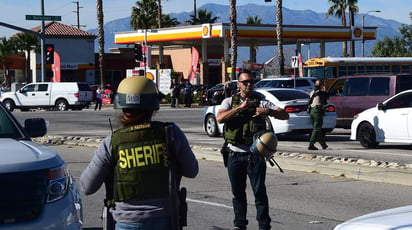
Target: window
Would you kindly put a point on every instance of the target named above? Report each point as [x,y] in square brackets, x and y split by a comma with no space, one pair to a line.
[379,86]
[403,83]
[356,87]
[303,82]
[42,87]
[403,101]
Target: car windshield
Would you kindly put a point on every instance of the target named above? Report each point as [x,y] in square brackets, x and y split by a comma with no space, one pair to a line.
[288,95]
[8,127]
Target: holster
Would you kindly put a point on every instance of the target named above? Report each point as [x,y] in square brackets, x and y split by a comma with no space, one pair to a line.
[225,153]
[183,207]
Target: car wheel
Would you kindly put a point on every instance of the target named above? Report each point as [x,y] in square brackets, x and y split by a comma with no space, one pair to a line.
[211,126]
[268,124]
[62,105]
[367,136]
[9,105]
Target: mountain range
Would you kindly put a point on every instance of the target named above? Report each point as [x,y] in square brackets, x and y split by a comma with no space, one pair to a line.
[386,28]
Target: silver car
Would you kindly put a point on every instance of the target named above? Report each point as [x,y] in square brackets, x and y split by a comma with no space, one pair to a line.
[38,191]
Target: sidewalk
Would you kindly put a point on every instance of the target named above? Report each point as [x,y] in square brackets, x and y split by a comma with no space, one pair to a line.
[357,169]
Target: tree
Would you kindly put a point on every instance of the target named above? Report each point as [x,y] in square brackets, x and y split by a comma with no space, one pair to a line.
[204,16]
[233,37]
[279,36]
[6,48]
[253,20]
[399,46]
[144,15]
[100,35]
[26,42]
[338,9]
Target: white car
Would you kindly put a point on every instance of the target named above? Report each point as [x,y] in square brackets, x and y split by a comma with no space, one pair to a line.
[390,219]
[389,122]
[37,189]
[292,100]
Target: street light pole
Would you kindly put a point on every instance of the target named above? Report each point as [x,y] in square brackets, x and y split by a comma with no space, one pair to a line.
[363,29]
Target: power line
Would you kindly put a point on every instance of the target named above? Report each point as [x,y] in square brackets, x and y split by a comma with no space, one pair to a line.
[78,15]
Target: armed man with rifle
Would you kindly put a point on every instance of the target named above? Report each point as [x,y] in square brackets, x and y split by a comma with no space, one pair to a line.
[141,164]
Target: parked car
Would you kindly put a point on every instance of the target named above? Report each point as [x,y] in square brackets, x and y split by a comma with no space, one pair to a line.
[389,219]
[292,100]
[38,191]
[353,94]
[306,84]
[388,122]
[216,94]
[58,95]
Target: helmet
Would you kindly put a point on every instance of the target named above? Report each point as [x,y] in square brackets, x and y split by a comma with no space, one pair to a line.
[265,143]
[137,93]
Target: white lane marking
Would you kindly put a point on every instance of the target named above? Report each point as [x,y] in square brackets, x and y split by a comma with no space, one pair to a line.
[209,203]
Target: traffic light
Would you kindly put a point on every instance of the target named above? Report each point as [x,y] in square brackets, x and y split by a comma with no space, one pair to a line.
[49,54]
[138,55]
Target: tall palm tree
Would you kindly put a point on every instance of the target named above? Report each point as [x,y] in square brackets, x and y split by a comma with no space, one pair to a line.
[253,20]
[353,8]
[204,16]
[100,35]
[279,36]
[6,48]
[338,9]
[26,42]
[233,36]
[144,15]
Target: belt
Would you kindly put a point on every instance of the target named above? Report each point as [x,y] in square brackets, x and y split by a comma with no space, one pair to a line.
[238,154]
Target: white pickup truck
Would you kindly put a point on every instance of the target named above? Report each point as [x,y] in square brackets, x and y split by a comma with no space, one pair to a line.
[49,95]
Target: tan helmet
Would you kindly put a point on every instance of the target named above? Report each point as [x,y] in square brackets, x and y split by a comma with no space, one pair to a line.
[265,143]
[137,93]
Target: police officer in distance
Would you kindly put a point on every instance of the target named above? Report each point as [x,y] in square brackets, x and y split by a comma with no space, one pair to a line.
[243,116]
[318,101]
[135,157]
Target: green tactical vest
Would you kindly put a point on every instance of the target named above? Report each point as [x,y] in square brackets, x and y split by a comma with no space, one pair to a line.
[141,170]
[241,128]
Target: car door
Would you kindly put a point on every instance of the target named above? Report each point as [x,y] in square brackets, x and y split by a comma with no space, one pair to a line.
[42,92]
[26,95]
[394,121]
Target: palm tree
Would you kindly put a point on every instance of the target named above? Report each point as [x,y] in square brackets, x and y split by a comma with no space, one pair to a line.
[203,17]
[144,15]
[353,8]
[26,42]
[338,9]
[233,36]
[279,36]
[6,48]
[253,20]
[100,35]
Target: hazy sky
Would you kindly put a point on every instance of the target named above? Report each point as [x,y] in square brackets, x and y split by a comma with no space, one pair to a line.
[14,11]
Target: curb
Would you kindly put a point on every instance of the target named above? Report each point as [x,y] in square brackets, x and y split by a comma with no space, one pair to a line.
[357,169]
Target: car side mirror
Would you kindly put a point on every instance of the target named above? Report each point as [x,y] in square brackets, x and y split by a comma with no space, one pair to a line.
[381,106]
[35,127]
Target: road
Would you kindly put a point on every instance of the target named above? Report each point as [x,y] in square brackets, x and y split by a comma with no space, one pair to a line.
[297,200]
[91,123]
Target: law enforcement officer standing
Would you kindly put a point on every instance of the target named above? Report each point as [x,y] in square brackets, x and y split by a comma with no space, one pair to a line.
[243,116]
[135,156]
[318,101]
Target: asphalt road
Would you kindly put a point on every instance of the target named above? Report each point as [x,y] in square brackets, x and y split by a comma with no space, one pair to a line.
[297,200]
[96,123]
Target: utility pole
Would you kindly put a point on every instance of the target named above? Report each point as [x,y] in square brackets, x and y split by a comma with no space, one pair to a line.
[78,15]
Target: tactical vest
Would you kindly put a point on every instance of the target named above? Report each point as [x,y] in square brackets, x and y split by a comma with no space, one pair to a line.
[241,128]
[141,170]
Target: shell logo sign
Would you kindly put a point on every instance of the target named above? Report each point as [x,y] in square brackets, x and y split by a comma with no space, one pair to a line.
[206,31]
[150,76]
[357,33]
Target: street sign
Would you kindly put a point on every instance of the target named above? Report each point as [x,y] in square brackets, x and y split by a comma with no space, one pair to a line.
[294,62]
[43,17]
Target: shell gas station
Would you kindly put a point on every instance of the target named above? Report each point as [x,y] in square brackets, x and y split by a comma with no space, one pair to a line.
[202,52]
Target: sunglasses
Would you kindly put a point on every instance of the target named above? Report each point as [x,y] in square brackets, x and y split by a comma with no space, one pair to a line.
[246,82]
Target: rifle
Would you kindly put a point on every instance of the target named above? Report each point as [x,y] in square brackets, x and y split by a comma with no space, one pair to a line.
[177,198]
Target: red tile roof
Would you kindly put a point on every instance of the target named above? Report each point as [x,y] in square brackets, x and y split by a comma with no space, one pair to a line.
[57,29]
